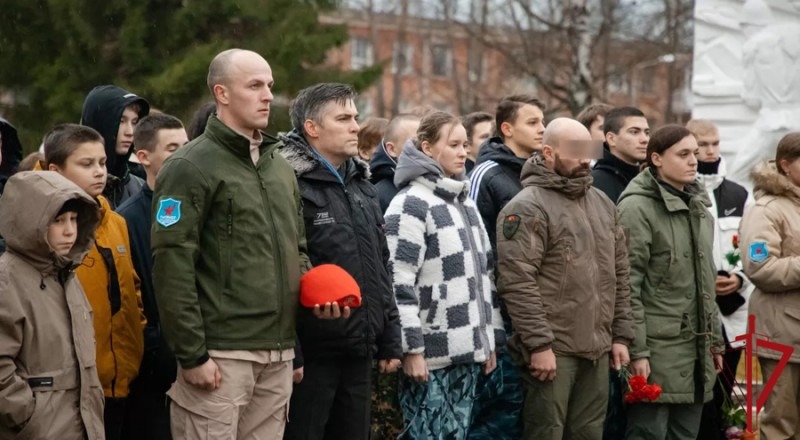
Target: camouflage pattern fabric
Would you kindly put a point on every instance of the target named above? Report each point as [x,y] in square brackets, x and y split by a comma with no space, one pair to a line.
[442,408]
[387,419]
[499,405]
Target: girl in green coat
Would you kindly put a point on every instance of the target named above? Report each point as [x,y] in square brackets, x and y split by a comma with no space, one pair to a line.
[670,235]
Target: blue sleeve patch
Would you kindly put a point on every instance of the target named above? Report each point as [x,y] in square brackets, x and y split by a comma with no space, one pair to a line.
[758,252]
[169,212]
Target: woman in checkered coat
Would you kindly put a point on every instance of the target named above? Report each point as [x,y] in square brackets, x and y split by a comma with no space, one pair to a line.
[441,264]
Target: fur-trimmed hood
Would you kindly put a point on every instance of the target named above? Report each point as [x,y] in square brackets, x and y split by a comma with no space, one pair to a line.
[768,181]
[304,160]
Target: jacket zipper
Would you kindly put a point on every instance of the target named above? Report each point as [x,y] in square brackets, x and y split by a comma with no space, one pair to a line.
[279,260]
[111,342]
[364,302]
[478,279]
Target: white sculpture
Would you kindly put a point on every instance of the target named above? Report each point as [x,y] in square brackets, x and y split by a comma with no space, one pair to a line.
[771,62]
[747,76]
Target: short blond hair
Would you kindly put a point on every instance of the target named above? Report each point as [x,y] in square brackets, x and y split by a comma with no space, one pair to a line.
[701,127]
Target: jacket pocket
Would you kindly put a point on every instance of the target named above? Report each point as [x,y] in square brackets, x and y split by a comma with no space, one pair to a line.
[663,327]
[660,265]
[32,428]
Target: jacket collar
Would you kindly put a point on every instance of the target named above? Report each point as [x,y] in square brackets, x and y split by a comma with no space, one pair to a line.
[234,142]
[712,181]
[414,167]
[307,163]
[497,151]
[647,184]
[615,165]
[768,182]
[535,173]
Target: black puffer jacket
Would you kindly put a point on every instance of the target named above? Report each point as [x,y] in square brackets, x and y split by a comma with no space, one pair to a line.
[344,226]
[382,166]
[102,110]
[494,182]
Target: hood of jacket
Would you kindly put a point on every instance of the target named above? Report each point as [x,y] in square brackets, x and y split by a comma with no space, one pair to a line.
[767,181]
[306,162]
[495,150]
[535,173]
[382,165]
[647,184]
[11,152]
[31,201]
[102,110]
[712,181]
[414,165]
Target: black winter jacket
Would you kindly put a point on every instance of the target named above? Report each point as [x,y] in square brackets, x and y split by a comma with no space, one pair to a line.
[159,366]
[382,167]
[494,182]
[10,157]
[612,175]
[102,110]
[344,226]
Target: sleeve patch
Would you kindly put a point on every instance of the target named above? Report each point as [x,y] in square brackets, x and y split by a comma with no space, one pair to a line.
[758,252]
[169,211]
[511,226]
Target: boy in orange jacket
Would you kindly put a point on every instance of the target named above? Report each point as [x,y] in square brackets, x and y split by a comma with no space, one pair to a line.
[107,275]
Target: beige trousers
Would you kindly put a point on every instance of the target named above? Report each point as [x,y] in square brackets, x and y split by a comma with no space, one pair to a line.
[252,403]
[780,418]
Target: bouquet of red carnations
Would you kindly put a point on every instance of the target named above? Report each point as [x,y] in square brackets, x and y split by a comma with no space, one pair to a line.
[638,388]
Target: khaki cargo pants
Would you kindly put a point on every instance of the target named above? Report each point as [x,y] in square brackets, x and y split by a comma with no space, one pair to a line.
[251,403]
[573,406]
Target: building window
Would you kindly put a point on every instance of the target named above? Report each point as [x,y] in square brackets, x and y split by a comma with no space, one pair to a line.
[475,66]
[441,60]
[402,58]
[361,53]
[617,83]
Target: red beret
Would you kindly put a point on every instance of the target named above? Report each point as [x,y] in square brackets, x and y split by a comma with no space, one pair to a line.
[329,283]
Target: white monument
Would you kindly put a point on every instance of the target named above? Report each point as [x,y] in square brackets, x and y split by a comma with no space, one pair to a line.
[747,76]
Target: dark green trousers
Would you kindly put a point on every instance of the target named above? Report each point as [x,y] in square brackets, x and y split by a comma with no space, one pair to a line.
[664,421]
[573,406]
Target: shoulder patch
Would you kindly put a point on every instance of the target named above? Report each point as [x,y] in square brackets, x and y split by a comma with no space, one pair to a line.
[511,225]
[169,211]
[758,252]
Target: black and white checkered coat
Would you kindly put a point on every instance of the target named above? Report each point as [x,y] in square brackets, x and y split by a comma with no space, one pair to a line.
[441,264]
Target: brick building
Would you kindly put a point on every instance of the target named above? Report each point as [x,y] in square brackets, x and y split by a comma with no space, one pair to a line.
[441,64]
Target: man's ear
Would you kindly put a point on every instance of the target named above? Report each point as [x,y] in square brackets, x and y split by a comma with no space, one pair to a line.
[144,157]
[548,152]
[221,94]
[506,129]
[53,167]
[611,138]
[390,149]
[311,129]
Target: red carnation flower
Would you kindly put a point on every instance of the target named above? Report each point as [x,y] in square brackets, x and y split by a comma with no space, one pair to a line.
[637,383]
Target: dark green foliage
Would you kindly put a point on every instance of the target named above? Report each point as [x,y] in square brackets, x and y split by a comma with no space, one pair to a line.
[55,51]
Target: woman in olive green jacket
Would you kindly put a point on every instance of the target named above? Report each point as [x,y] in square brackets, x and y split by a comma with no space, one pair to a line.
[670,235]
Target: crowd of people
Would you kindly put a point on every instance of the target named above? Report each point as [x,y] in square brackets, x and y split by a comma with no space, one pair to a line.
[510,273]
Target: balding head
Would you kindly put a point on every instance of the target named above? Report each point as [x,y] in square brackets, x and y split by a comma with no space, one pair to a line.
[227,61]
[565,141]
[241,82]
[565,129]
